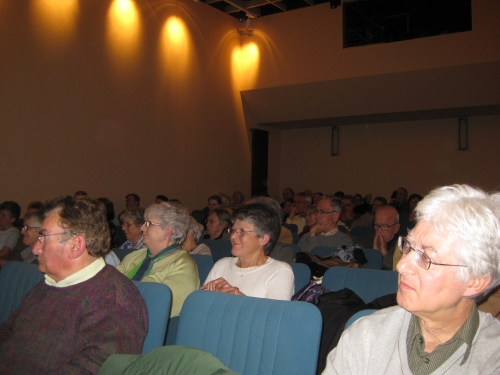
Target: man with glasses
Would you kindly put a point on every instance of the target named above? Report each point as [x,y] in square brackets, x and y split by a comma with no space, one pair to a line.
[84,310]
[386,227]
[450,261]
[325,232]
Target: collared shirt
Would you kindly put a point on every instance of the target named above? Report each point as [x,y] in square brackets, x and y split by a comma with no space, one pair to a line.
[422,363]
[79,277]
[331,233]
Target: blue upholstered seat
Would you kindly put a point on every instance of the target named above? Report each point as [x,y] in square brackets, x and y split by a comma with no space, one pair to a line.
[366,283]
[122,253]
[374,258]
[252,335]
[16,280]
[219,248]
[302,274]
[158,300]
[204,264]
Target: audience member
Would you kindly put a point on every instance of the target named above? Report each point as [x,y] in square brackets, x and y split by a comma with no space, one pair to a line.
[287,208]
[412,203]
[451,259]
[79,194]
[192,236]
[251,271]
[160,199]
[225,202]
[84,310]
[362,204]
[9,214]
[110,214]
[218,224]
[238,199]
[367,219]
[386,228]
[401,202]
[310,212]
[132,201]
[348,216]
[316,197]
[131,221]
[35,206]
[297,214]
[287,194]
[325,232]
[163,260]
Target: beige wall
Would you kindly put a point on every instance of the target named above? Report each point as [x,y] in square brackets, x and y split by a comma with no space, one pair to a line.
[379,158]
[78,111]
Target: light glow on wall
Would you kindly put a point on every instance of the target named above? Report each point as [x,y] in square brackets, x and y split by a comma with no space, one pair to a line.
[55,20]
[245,62]
[175,47]
[123,32]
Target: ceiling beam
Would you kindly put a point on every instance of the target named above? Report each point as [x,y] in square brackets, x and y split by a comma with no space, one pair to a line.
[237,5]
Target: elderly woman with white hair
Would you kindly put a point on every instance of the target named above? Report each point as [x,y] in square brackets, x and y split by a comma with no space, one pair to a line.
[451,260]
[192,236]
[163,260]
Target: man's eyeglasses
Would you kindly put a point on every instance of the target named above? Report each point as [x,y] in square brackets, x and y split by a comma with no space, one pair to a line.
[323,213]
[384,227]
[148,223]
[26,227]
[41,237]
[420,257]
[211,221]
[239,231]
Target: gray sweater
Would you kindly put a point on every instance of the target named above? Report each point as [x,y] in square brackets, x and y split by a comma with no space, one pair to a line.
[307,243]
[376,344]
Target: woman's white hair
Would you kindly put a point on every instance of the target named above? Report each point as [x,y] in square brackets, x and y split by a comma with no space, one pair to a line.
[470,220]
[195,227]
[171,215]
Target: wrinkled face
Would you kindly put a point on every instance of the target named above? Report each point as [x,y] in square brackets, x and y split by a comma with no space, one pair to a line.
[53,255]
[131,203]
[325,216]
[5,220]
[387,217]
[310,218]
[30,234]
[213,204]
[214,227]
[248,244]
[287,194]
[154,235]
[401,195]
[299,203]
[433,291]
[132,231]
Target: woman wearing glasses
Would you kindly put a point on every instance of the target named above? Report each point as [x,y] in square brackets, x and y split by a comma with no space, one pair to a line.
[251,271]
[132,221]
[163,260]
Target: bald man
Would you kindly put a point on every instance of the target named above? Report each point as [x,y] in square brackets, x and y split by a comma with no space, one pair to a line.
[386,227]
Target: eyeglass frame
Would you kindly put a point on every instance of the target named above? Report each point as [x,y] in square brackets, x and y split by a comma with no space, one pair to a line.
[40,236]
[148,223]
[26,227]
[241,230]
[419,254]
[323,213]
[383,225]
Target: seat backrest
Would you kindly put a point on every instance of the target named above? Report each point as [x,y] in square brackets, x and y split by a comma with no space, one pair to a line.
[296,249]
[122,253]
[295,238]
[219,248]
[362,231]
[302,274]
[374,258]
[158,300]
[291,227]
[366,283]
[16,280]
[204,264]
[252,335]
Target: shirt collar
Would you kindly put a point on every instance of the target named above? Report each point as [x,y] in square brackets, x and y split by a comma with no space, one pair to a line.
[332,232]
[79,277]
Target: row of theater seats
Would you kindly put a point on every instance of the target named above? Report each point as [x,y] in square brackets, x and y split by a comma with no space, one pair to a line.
[249,335]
